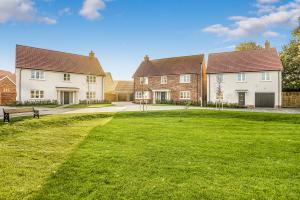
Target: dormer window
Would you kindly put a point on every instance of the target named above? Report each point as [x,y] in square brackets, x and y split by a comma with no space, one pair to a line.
[163,79]
[67,77]
[185,78]
[143,80]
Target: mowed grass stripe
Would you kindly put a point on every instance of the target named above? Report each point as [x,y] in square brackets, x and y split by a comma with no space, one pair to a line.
[207,155]
[31,150]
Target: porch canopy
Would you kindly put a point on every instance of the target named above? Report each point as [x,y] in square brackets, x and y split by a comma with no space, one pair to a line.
[67,95]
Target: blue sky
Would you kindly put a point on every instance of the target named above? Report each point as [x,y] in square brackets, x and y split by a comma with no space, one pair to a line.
[122,32]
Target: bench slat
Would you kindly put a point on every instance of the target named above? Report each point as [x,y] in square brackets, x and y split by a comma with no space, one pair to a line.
[21,110]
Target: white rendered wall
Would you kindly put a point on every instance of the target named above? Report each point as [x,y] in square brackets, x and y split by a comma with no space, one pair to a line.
[252,84]
[53,80]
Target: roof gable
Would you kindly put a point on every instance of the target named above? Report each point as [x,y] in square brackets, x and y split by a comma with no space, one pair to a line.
[244,61]
[171,66]
[49,60]
[9,75]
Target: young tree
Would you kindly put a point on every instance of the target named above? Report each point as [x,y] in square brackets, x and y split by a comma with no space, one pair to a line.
[219,92]
[290,58]
[247,46]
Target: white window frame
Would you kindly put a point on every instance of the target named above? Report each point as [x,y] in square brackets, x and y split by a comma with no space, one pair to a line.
[163,79]
[185,95]
[6,89]
[220,76]
[265,76]
[67,77]
[90,79]
[37,75]
[91,95]
[144,80]
[138,95]
[185,78]
[241,77]
[37,94]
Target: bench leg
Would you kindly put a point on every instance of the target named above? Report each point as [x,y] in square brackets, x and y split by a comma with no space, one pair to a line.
[6,117]
[36,114]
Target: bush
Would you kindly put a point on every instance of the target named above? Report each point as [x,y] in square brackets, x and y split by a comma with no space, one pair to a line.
[225,105]
[35,103]
[183,103]
[95,101]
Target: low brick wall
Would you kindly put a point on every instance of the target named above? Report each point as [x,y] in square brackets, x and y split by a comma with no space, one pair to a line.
[7,98]
[291,99]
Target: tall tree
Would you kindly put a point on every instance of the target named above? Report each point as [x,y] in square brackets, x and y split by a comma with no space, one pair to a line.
[247,46]
[290,58]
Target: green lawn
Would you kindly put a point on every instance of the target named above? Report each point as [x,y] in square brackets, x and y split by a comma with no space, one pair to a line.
[88,105]
[154,155]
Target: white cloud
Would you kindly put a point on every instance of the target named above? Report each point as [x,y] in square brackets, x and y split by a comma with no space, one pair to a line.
[21,10]
[270,34]
[280,16]
[91,8]
[65,11]
[266,1]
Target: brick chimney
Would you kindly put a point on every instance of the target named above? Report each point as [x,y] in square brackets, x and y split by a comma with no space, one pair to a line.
[267,44]
[146,58]
[92,54]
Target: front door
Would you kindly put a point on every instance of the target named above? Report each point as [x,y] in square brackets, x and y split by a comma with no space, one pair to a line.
[163,96]
[66,97]
[241,98]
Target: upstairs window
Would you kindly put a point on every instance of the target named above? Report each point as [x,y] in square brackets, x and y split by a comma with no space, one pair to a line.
[37,74]
[143,80]
[36,94]
[220,78]
[91,79]
[185,95]
[67,77]
[241,77]
[265,76]
[163,79]
[185,78]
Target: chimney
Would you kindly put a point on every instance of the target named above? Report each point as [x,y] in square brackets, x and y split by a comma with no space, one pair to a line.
[267,44]
[146,58]
[92,54]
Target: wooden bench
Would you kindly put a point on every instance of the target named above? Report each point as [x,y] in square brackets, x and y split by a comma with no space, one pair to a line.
[7,112]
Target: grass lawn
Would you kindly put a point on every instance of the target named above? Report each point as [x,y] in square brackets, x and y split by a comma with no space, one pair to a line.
[154,155]
[88,106]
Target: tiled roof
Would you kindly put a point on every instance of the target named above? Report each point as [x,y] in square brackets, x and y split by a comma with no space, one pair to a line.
[170,66]
[8,74]
[48,60]
[124,86]
[244,61]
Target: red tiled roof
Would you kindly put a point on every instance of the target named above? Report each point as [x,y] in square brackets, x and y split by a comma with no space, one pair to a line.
[170,66]
[124,86]
[244,61]
[8,74]
[48,60]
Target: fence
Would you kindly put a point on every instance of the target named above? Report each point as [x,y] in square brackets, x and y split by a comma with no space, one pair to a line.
[291,99]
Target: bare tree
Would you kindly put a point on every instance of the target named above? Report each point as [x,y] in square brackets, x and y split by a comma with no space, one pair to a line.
[219,92]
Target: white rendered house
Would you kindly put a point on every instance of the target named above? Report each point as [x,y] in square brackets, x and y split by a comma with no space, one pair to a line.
[249,78]
[43,75]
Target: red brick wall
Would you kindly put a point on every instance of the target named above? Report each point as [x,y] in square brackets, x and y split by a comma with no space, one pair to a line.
[154,83]
[7,92]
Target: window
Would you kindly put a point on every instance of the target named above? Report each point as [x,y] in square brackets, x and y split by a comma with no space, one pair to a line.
[91,79]
[185,78]
[241,77]
[138,95]
[163,79]
[91,95]
[67,77]
[265,76]
[143,80]
[185,95]
[220,78]
[6,90]
[37,74]
[36,94]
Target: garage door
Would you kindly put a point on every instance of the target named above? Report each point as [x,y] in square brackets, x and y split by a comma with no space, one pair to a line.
[266,100]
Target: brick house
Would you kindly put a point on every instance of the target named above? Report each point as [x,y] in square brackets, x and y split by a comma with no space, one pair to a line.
[171,79]
[7,87]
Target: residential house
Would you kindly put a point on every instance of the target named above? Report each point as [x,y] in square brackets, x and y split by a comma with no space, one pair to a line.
[7,87]
[249,78]
[116,90]
[171,79]
[67,78]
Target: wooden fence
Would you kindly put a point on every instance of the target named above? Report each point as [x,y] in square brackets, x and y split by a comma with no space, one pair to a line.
[291,99]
